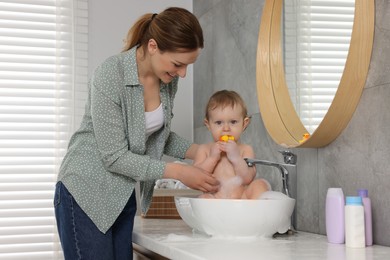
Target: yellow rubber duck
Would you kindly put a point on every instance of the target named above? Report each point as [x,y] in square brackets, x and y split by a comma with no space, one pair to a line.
[226,138]
[305,136]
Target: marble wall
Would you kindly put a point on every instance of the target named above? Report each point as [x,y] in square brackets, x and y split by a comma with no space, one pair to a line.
[358,158]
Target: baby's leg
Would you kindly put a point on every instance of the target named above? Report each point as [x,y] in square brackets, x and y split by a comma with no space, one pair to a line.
[256,188]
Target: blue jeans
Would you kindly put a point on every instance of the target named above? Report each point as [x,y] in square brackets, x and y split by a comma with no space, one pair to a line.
[82,240]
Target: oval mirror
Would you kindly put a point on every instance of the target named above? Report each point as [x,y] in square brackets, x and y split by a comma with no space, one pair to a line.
[315,44]
[277,110]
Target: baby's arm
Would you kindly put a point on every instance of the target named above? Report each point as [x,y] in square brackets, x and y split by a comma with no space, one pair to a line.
[207,158]
[236,157]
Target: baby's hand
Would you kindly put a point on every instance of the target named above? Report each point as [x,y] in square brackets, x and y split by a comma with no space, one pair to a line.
[232,150]
[215,151]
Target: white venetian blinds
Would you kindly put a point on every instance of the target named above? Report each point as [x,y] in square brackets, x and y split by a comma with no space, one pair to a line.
[316,42]
[43,84]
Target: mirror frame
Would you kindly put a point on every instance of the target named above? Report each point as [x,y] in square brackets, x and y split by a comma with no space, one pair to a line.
[276,108]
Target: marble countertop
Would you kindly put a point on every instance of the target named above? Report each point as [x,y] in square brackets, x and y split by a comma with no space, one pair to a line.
[173,239]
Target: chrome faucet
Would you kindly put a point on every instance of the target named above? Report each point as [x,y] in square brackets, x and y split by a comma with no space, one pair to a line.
[289,157]
[282,168]
[290,160]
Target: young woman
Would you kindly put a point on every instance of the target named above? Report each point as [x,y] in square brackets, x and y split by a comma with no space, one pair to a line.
[124,133]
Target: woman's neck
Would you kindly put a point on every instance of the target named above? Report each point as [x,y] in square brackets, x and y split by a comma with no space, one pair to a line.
[145,72]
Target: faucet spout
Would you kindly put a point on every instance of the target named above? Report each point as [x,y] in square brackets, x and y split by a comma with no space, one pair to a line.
[282,168]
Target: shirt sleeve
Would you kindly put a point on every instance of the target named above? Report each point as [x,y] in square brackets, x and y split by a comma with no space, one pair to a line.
[176,146]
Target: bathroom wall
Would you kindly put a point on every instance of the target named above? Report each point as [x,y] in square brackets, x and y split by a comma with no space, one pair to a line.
[358,158]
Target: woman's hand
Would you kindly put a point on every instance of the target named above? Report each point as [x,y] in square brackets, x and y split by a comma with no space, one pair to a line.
[191,176]
[199,179]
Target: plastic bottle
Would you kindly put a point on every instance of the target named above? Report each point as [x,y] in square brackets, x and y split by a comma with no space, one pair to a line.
[334,215]
[354,222]
[367,215]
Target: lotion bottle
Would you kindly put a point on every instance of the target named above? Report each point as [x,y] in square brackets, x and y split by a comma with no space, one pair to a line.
[334,216]
[363,193]
[354,223]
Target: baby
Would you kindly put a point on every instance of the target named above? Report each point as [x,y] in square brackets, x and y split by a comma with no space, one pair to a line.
[226,118]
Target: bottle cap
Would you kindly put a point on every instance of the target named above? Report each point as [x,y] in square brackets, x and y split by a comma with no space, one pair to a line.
[354,200]
[363,193]
[335,192]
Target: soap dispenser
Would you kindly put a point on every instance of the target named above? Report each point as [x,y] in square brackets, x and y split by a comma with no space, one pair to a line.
[334,216]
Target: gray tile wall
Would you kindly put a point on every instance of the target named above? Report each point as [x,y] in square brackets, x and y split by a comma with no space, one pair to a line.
[358,158]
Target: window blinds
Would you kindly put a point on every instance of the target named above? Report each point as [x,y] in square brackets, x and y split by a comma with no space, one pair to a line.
[316,43]
[43,87]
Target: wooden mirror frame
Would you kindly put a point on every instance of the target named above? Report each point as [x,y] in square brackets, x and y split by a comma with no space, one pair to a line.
[276,108]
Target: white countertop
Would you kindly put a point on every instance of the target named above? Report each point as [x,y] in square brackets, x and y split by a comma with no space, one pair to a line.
[173,239]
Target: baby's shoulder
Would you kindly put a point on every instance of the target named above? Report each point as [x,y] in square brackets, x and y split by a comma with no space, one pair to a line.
[205,146]
[245,148]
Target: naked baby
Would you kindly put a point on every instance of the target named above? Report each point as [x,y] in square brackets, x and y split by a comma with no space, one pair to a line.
[226,118]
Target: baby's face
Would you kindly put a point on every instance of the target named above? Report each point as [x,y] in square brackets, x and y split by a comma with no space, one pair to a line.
[226,121]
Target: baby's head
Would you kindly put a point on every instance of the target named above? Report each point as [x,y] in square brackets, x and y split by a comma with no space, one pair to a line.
[226,98]
[226,114]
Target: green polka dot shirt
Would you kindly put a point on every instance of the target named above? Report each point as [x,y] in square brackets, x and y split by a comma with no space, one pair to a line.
[109,153]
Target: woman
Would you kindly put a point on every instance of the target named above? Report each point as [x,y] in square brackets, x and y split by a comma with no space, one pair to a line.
[123,135]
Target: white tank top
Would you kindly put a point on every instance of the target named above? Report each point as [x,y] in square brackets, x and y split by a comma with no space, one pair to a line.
[154,120]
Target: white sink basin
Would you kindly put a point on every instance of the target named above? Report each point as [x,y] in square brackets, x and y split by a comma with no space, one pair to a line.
[230,218]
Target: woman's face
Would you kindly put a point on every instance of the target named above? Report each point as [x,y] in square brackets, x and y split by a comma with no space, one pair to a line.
[167,65]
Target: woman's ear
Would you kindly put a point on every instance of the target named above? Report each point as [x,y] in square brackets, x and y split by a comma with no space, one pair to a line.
[152,46]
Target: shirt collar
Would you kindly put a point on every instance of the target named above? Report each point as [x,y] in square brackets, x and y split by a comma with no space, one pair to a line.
[130,67]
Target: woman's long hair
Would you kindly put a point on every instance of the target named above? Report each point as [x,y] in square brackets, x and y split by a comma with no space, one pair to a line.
[175,30]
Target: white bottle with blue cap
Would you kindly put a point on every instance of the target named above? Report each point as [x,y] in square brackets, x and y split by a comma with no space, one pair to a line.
[354,222]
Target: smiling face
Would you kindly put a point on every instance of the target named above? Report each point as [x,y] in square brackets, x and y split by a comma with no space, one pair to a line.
[167,65]
[226,120]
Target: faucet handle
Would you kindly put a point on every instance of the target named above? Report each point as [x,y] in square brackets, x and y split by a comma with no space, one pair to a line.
[289,157]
